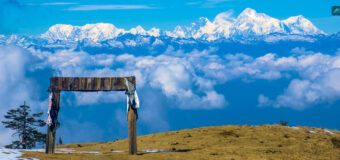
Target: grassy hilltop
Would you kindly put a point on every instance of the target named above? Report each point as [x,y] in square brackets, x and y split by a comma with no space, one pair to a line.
[232,142]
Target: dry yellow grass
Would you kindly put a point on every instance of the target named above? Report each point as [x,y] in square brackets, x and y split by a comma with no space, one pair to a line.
[217,143]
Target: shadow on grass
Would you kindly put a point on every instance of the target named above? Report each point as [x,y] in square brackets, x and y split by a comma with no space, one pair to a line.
[229,133]
[336,142]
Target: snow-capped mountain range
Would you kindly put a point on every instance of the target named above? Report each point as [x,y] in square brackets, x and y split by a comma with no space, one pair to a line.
[247,28]
[248,23]
[96,32]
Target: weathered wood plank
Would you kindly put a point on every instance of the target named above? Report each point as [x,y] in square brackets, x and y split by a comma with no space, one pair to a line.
[89,83]
[132,120]
[48,137]
[50,141]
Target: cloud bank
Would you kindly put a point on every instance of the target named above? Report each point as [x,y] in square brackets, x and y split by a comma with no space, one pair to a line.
[190,78]
[178,79]
[174,76]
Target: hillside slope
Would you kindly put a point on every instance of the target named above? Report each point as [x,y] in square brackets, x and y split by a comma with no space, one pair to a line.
[221,142]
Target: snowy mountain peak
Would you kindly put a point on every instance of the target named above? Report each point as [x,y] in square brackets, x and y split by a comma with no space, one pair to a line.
[177,33]
[138,30]
[100,26]
[248,12]
[98,32]
[95,32]
[59,31]
[300,25]
[249,22]
[295,19]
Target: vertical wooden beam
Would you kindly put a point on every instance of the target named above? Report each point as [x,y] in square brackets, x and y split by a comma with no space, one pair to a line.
[50,141]
[132,119]
[51,133]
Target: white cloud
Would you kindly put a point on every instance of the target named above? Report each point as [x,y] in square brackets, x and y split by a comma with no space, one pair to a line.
[213,3]
[190,77]
[214,99]
[263,101]
[205,84]
[332,79]
[317,82]
[15,86]
[58,3]
[65,58]
[225,17]
[301,50]
[103,59]
[299,95]
[175,76]
[270,75]
[171,78]
[125,57]
[108,7]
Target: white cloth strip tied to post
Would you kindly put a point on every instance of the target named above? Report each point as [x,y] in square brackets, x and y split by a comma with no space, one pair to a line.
[49,119]
[132,97]
[133,100]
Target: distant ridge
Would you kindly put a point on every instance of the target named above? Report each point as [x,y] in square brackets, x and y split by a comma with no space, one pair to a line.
[249,23]
[95,32]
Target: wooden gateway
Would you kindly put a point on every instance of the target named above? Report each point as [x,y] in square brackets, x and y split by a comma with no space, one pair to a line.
[90,84]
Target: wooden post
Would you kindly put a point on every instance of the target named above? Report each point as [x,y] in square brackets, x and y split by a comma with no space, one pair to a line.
[50,141]
[51,135]
[132,119]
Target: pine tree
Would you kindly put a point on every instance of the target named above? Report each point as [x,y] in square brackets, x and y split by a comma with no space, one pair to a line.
[24,124]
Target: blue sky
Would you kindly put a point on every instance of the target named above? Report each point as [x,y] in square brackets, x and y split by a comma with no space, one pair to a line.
[36,16]
[180,85]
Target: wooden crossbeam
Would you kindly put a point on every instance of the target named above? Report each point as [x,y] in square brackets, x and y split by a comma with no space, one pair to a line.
[90,83]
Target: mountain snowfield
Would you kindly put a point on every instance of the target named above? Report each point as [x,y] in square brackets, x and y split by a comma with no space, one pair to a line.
[248,23]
